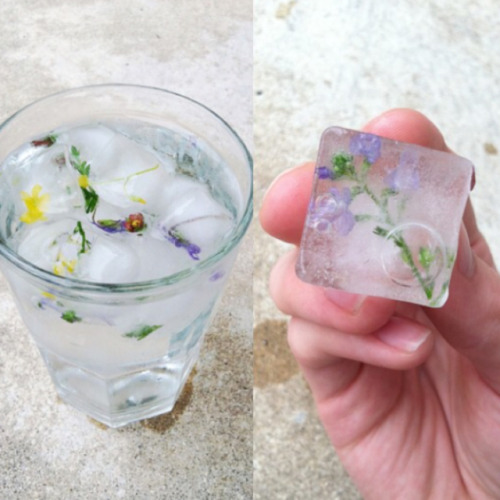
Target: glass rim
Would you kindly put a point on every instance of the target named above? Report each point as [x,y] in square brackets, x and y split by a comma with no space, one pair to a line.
[134,286]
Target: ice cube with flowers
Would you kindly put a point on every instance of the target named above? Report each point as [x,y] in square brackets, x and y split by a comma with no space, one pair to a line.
[384,217]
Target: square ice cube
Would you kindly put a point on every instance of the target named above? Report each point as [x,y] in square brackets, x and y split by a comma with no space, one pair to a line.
[384,217]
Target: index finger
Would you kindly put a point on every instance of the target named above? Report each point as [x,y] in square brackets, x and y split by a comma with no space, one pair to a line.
[284,208]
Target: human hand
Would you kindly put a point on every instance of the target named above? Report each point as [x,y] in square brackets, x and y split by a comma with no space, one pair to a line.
[409,396]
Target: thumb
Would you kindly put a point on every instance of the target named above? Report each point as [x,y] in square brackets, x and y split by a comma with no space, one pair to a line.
[470,319]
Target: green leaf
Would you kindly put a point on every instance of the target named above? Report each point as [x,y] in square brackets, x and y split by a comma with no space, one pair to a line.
[450,259]
[425,257]
[406,255]
[365,166]
[46,141]
[70,316]
[109,223]
[429,290]
[356,190]
[342,165]
[84,168]
[386,192]
[91,199]
[442,293]
[142,332]
[399,242]
[85,243]
[363,217]
[187,159]
[380,231]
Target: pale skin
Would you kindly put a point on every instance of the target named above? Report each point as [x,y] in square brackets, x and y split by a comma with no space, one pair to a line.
[409,396]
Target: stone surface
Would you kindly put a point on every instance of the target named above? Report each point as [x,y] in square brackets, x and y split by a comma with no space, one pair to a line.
[384,217]
[204,448]
[318,66]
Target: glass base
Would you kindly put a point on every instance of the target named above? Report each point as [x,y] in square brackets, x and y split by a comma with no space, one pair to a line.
[138,393]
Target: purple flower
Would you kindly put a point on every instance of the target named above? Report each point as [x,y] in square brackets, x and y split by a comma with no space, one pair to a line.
[216,276]
[405,176]
[331,210]
[324,173]
[110,225]
[193,251]
[367,145]
[180,241]
[46,302]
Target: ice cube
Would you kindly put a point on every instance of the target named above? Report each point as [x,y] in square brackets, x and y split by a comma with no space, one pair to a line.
[158,259]
[126,174]
[53,245]
[90,140]
[110,260]
[188,208]
[384,217]
[45,169]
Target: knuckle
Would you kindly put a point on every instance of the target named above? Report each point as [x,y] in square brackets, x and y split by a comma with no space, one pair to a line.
[279,290]
[298,342]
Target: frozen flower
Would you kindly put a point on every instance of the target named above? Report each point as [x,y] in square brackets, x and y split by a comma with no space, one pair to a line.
[216,276]
[83,181]
[134,223]
[46,141]
[49,303]
[405,176]
[180,241]
[35,205]
[367,145]
[66,260]
[324,173]
[331,210]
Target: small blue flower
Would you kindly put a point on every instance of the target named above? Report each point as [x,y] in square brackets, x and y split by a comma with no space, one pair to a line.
[216,276]
[368,145]
[331,210]
[324,173]
[181,242]
[405,176]
[110,225]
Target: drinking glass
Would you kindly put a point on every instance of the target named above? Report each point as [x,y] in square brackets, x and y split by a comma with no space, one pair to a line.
[121,352]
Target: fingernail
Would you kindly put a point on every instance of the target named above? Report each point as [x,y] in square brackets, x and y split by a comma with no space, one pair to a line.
[465,258]
[473,178]
[402,335]
[349,302]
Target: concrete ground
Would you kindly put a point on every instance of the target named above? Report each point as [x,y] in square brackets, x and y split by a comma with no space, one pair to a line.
[317,66]
[204,448]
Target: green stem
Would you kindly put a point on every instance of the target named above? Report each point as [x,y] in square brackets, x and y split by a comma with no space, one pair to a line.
[408,259]
[374,198]
[400,242]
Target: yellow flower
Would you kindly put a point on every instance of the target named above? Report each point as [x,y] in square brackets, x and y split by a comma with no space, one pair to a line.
[63,266]
[83,181]
[35,205]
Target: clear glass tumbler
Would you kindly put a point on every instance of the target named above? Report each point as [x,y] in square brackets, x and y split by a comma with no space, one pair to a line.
[95,363]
